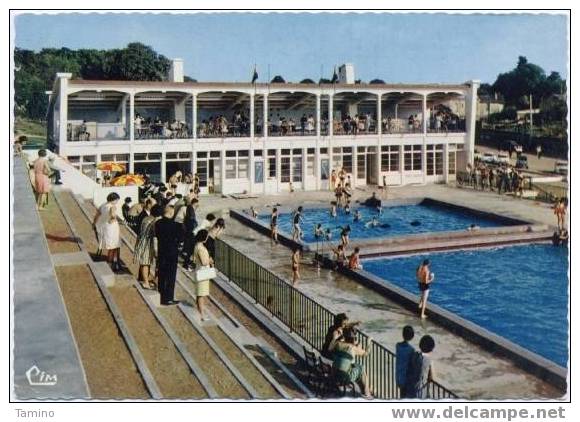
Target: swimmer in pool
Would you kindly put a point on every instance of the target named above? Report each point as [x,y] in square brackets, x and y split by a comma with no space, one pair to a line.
[473,227]
[318,232]
[373,223]
[415,223]
[333,210]
[347,208]
[328,236]
[357,216]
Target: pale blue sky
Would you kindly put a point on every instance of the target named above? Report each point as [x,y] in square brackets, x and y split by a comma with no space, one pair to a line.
[393,47]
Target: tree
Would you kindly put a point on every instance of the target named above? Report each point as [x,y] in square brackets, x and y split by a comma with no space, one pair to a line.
[377,82]
[525,79]
[35,71]
[307,81]
[324,81]
[278,80]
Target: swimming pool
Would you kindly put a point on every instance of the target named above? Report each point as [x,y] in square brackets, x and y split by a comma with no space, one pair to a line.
[393,221]
[518,292]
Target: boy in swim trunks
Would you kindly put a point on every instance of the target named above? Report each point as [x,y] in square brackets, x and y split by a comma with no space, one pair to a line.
[425,278]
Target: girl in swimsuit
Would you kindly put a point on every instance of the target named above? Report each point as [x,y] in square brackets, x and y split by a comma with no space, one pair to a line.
[295,266]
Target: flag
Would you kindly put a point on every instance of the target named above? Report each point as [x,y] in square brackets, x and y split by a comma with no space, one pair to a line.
[255,76]
[334,76]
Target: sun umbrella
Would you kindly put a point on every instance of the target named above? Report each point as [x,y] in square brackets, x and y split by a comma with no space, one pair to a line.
[128,180]
[110,166]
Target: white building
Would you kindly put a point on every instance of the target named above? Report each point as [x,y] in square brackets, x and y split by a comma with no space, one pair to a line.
[261,147]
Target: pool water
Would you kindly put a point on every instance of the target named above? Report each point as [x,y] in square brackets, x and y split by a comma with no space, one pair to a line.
[393,221]
[518,292]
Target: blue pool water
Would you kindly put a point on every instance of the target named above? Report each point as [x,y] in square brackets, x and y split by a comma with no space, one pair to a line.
[518,292]
[432,218]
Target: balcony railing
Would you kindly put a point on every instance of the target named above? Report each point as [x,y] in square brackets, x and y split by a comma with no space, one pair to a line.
[93,131]
[162,131]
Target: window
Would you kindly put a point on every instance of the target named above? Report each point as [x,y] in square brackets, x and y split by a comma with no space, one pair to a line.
[439,159]
[361,169]
[285,169]
[272,167]
[202,155]
[231,168]
[413,159]
[452,161]
[243,165]
[297,168]
[257,153]
[390,158]
[310,166]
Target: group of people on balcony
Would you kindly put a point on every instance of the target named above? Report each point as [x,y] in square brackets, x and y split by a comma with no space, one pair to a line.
[288,126]
[147,128]
[219,126]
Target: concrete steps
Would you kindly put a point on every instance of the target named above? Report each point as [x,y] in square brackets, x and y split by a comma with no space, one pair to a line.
[164,368]
[221,363]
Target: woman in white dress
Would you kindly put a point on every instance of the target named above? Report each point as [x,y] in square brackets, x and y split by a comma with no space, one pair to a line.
[106,225]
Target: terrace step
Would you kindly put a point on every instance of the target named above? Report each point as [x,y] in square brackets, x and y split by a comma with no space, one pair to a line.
[165,369]
[239,365]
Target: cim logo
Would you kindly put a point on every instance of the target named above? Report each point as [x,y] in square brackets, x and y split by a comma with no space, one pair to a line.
[37,377]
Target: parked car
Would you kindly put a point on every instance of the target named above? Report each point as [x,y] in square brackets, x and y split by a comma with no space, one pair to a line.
[489,158]
[522,162]
[502,159]
[561,167]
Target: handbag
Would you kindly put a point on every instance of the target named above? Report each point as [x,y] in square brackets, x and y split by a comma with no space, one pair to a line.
[204,273]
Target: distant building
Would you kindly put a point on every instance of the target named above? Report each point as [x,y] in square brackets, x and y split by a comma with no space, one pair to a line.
[260,137]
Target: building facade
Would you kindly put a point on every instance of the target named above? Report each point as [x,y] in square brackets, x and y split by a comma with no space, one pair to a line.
[263,138]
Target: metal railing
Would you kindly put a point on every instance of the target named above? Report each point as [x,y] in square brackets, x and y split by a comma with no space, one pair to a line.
[308,319]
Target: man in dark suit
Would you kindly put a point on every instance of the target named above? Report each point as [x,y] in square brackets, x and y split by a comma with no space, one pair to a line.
[190,223]
[168,234]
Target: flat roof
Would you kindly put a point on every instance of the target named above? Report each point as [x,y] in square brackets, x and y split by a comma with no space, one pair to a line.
[290,85]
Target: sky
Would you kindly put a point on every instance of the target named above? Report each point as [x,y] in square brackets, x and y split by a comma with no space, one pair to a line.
[398,48]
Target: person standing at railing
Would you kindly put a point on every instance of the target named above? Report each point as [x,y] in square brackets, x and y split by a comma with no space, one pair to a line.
[404,352]
[420,370]
[345,368]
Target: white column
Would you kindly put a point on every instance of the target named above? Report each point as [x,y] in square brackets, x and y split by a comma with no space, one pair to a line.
[131,117]
[379,123]
[304,167]
[252,169]
[265,118]
[318,115]
[194,115]
[470,117]
[330,115]
[63,109]
[123,107]
[446,162]
[163,168]
[354,166]
[424,114]
[317,167]
[252,117]
[222,171]
[424,151]
[278,170]
[402,163]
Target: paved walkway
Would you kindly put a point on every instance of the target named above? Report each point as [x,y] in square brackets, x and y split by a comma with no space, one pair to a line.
[460,365]
[42,332]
